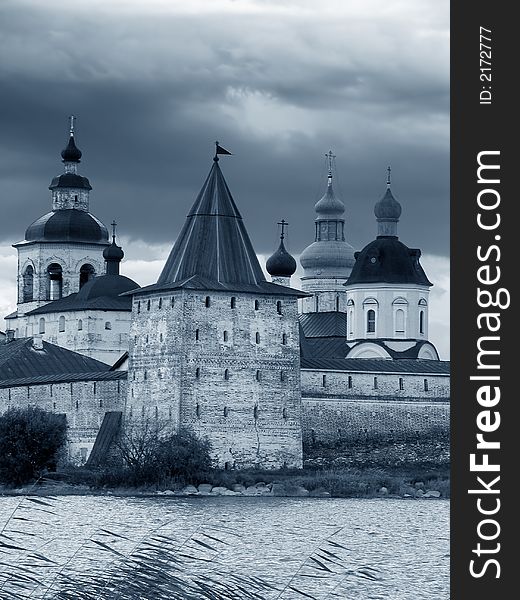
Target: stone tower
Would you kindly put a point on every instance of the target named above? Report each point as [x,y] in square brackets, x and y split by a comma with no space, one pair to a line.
[214,346]
[328,261]
[387,293]
[63,249]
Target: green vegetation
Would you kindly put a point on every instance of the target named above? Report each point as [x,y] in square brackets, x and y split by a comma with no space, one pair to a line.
[30,440]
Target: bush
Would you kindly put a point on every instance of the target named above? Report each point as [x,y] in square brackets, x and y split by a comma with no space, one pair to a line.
[30,439]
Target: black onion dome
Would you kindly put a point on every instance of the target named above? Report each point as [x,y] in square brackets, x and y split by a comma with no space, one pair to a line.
[113,252]
[70,180]
[387,260]
[71,153]
[67,225]
[281,263]
[106,286]
[387,207]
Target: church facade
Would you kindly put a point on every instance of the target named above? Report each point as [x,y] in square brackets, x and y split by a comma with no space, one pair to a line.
[256,366]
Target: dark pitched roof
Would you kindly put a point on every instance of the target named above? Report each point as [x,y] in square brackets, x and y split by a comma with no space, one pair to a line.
[378,365]
[67,225]
[324,324]
[19,359]
[213,250]
[64,378]
[100,293]
[387,260]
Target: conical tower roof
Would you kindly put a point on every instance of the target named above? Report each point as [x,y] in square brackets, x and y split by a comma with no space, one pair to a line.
[213,250]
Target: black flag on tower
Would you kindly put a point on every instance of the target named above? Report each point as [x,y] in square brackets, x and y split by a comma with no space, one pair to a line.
[220,150]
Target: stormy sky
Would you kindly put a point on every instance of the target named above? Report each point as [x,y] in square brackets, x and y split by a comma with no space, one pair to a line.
[278,82]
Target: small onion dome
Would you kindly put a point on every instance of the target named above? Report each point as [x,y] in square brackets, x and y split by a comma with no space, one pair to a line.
[387,208]
[281,263]
[329,205]
[113,252]
[71,153]
[387,260]
[67,225]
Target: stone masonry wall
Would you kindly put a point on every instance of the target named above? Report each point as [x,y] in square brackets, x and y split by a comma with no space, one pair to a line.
[83,402]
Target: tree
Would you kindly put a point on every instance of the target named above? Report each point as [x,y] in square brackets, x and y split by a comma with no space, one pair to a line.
[30,439]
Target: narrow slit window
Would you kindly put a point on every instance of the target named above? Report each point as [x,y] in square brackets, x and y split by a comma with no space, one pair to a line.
[233,302]
[401,383]
[279,307]
[207,302]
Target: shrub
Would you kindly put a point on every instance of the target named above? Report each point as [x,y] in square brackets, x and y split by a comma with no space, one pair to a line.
[30,439]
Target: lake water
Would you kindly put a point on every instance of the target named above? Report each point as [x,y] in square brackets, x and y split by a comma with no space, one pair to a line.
[224,547]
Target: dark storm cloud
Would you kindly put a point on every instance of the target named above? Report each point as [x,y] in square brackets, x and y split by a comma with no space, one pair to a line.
[278,85]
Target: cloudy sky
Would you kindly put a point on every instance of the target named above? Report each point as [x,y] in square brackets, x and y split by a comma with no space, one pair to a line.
[278,82]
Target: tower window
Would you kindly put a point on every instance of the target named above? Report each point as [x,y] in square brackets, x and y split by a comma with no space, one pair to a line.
[197,373]
[371,321]
[226,411]
[401,383]
[284,413]
[197,410]
[80,324]
[138,307]
[255,412]
[337,303]
[375,383]
[55,273]
[258,375]
[145,375]
[42,326]
[350,382]
[233,302]
[207,302]
[257,337]
[161,337]
[86,273]
[108,325]
[284,339]
[425,385]
[279,307]
[421,322]
[226,336]
[160,303]
[28,284]
[61,324]
[173,301]
[197,335]
[226,374]
[257,305]
[283,376]
[148,305]
[324,381]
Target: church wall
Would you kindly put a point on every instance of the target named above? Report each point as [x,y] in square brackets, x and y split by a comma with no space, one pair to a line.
[103,334]
[327,290]
[69,255]
[218,401]
[83,402]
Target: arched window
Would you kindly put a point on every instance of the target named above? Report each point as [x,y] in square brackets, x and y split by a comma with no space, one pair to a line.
[80,324]
[28,284]
[284,339]
[207,302]
[279,307]
[42,326]
[421,322]
[61,323]
[86,273]
[371,321]
[351,322]
[233,302]
[108,325]
[55,273]
[399,320]
[257,337]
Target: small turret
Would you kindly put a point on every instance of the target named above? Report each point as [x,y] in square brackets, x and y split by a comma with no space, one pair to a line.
[113,254]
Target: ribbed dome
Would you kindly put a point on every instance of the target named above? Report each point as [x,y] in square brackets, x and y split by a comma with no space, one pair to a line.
[328,258]
[329,205]
[281,263]
[67,225]
[387,260]
[387,208]
[107,286]
[71,153]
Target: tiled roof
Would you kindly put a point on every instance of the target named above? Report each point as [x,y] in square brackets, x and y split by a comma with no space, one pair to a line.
[379,365]
[64,378]
[20,360]
[213,250]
